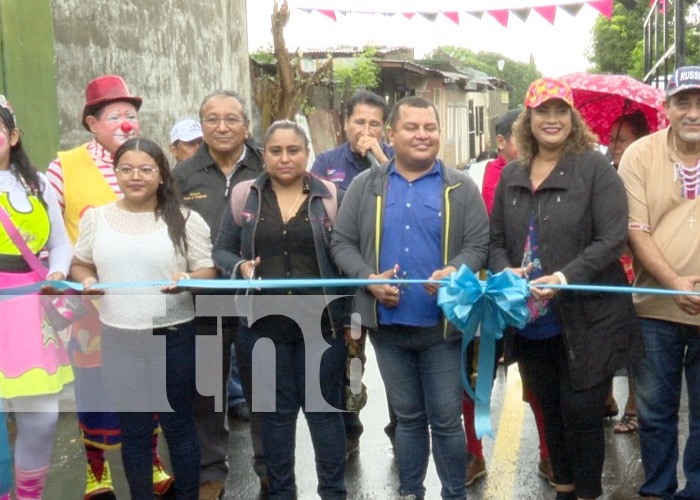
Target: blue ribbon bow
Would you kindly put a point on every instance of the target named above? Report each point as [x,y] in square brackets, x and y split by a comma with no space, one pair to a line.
[473,306]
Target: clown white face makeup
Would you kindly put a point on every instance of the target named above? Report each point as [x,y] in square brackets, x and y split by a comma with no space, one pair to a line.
[117,122]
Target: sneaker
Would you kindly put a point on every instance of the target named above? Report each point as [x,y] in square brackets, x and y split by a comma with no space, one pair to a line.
[476,468]
[544,470]
[162,481]
[211,490]
[102,489]
[410,496]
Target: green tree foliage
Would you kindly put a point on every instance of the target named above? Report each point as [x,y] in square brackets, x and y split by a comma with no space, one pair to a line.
[614,40]
[520,75]
[264,56]
[617,45]
[362,70]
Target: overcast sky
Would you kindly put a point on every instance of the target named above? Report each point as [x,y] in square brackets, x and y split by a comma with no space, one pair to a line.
[557,49]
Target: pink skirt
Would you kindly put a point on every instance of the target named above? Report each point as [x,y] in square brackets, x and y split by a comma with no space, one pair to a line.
[33,359]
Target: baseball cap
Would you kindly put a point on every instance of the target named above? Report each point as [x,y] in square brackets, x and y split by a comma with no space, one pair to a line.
[186,130]
[685,78]
[544,89]
[504,126]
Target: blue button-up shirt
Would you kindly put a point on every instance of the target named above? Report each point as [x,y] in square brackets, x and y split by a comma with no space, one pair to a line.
[411,234]
[340,165]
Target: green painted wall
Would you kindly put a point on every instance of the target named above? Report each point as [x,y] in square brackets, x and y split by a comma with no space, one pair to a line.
[27,74]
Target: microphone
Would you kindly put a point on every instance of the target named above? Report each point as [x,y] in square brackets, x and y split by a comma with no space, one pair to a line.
[372,159]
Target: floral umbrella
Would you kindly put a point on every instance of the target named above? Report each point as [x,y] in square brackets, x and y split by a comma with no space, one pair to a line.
[601,99]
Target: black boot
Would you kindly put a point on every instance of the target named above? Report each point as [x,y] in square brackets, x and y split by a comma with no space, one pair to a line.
[566,495]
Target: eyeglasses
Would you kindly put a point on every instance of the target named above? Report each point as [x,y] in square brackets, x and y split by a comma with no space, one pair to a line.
[128,171]
[230,121]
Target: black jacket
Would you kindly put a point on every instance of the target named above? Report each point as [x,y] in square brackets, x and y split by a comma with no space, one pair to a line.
[204,187]
[581,213]
[235,243]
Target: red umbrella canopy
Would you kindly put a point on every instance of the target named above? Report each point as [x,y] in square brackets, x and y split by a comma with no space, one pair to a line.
[601,99]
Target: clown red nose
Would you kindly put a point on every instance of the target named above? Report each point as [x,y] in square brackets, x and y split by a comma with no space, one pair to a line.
[127,127]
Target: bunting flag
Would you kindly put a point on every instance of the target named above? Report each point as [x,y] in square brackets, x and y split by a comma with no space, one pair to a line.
[452,16]
[499,10]
[521,14]
[572,9]
[329,13]
[605,7]
[501,16]
[548,12]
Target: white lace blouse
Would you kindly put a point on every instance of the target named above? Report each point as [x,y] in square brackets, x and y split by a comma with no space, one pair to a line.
[135,247]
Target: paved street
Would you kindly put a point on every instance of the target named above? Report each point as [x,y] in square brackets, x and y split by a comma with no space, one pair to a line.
[371,475]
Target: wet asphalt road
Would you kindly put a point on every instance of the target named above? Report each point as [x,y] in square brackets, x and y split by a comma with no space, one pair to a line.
[512,457]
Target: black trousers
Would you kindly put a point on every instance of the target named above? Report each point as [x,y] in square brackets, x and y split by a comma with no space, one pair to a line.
[573,419]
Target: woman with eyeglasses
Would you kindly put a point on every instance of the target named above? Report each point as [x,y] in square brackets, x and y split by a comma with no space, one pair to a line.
[148,339]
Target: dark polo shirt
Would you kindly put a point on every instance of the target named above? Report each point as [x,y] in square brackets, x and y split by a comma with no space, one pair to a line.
[205,188]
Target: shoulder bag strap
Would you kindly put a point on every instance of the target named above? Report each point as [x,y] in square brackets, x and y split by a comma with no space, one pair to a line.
[19,242]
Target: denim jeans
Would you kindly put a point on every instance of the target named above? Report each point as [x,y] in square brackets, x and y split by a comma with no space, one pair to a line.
[326,428]
[421,373]
[671,348]
[134,372]
[235,387]
[244,341]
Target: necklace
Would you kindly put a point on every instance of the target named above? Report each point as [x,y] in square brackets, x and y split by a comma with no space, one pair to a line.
[289,211]
[689,177]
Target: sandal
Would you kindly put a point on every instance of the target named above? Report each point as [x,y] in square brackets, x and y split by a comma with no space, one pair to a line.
[628,423]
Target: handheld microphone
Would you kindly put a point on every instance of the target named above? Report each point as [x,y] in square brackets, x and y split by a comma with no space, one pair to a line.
[372,158]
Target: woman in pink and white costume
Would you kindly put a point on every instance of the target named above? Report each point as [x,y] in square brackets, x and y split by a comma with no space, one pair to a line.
[34,367]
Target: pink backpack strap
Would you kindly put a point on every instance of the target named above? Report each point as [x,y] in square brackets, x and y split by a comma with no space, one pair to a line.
[239,195]
[331,204]
[31,259]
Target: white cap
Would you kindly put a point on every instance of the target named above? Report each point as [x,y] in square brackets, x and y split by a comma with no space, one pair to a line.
[186,130]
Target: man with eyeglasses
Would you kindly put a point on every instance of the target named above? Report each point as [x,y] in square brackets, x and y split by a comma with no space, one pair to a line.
[83,178]
[226,157]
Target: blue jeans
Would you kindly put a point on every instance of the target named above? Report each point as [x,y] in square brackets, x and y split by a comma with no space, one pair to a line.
[134,372]
[326,428]
[235,387]
[670,348]
[244,341]
[421,375]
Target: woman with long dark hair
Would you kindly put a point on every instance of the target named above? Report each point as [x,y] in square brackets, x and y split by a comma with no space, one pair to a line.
[560,216]
[34,367]
[147,236]
[279,227]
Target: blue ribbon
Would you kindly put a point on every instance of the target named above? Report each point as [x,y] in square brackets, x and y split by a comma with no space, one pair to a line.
[472,306]
[243,284]
[218,284]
